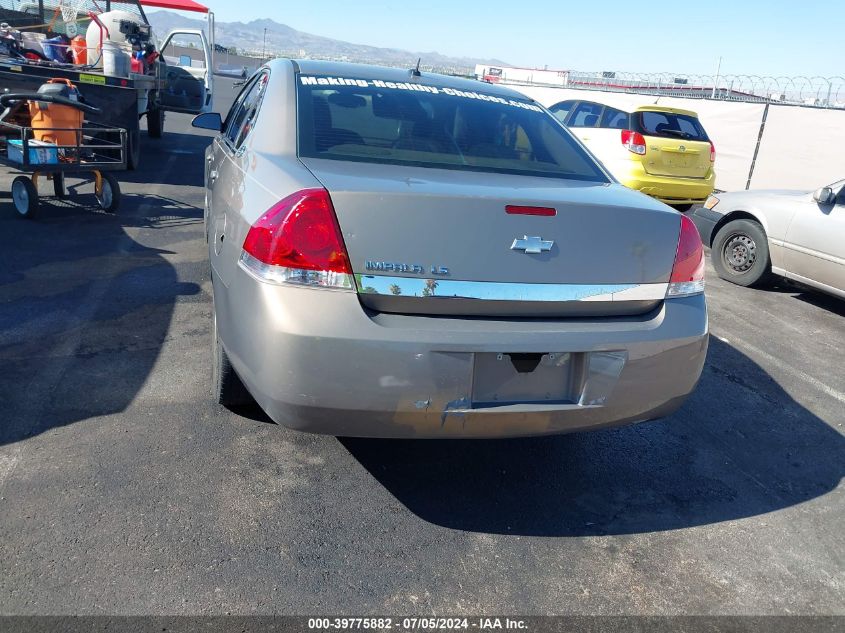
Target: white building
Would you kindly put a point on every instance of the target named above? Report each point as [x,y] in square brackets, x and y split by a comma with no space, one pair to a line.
[505,74]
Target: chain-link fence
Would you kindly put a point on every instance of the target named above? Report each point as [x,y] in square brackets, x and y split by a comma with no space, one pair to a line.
[823,92]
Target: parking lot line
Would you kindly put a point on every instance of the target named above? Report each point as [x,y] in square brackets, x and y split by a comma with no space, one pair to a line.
[7,465]
[784,367]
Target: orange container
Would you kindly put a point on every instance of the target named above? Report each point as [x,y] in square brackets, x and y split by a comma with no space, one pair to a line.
[52,122]
[79,50]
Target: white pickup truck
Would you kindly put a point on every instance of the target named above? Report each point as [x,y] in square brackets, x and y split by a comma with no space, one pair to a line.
[179,78]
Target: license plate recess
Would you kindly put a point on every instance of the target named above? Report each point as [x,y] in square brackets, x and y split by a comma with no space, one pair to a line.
[506,379]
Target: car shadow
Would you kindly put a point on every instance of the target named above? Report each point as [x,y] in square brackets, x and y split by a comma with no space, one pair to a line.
[187,169]
[86,303]
[739,447]
[252,412]
[160,211]
[821,300]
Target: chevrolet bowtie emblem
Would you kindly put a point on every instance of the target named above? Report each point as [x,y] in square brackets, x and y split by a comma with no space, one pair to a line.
[532,245]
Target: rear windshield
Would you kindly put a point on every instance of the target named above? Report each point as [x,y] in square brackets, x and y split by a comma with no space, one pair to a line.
[668,125]
[413,124]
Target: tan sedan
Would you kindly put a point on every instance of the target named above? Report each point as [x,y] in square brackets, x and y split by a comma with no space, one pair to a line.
[800,235]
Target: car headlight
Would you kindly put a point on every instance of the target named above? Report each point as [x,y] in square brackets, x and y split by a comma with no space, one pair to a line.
[711,202]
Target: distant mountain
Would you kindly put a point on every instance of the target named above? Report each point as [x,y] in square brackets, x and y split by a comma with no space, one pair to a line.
[284,41]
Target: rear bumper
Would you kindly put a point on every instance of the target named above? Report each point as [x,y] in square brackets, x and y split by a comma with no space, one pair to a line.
[668,189]
[705,221]
[316,361]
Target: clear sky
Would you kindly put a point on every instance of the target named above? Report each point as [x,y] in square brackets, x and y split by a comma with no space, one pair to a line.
[775,37]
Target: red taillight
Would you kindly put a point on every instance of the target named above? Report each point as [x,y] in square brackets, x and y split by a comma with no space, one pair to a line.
[299,241]
[712,152]
[301,232]
[634,142]
[688,271]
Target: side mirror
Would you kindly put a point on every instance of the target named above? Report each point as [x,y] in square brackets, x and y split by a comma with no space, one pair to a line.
[824,195]
[208,121]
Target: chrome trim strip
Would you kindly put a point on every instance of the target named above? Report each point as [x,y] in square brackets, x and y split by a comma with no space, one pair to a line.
[499,291]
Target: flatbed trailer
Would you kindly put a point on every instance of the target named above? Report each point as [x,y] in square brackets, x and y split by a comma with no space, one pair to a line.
[123,101]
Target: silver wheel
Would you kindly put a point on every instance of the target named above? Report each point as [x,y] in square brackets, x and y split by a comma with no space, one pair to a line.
[740,252]
[109,195]
[25,196]
[105,198]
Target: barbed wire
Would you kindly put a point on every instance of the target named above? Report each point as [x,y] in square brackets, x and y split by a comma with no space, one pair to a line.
[823,92]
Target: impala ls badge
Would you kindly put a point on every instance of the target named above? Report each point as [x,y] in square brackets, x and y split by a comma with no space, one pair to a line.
[398,267]
[532,245]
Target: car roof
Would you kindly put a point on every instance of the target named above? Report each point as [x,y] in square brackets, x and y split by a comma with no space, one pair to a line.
[668,109]
[625,103]
[385,73]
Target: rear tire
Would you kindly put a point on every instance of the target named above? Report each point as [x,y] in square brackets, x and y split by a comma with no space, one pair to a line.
[155,123]
[59,189]
[228,390]
[740,253]
[133,150]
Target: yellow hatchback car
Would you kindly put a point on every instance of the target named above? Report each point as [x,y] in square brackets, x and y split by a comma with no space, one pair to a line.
[664,152]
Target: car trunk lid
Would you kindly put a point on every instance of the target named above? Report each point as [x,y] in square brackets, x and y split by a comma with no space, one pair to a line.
[677,157]
[676,144]
[437,241]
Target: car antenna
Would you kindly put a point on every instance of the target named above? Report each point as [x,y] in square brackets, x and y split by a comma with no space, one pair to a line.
[415,72]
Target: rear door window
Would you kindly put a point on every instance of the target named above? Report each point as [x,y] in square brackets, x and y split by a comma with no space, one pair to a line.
[367,120]
[585,115]
[839,189]
[671,125]
[236,106]
[615,119]
[561,109]
[240,121]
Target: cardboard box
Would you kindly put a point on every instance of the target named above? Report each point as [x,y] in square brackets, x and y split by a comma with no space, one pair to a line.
[40,152]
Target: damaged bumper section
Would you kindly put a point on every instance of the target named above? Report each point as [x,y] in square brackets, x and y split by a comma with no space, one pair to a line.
[326,365]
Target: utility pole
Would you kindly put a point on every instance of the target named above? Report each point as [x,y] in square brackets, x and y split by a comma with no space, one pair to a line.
[716,81]
[264,47]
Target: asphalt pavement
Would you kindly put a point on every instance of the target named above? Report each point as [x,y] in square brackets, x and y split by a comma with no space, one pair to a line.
[124,490]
